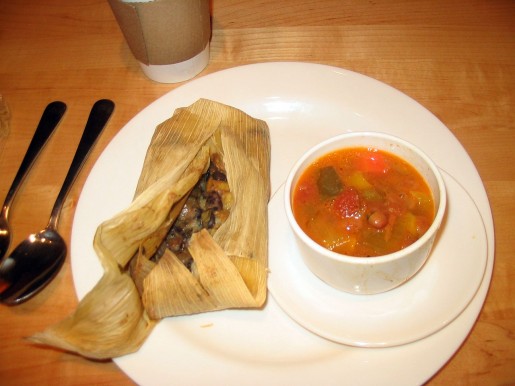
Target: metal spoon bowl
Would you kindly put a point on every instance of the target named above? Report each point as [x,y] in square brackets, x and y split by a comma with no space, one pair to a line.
[22,276]
[36,261]
[5,234]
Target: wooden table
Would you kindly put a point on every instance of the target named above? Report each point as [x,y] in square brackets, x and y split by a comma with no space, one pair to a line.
[457,58]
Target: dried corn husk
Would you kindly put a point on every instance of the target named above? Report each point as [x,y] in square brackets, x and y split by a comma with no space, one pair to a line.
[230,266]
[108,322]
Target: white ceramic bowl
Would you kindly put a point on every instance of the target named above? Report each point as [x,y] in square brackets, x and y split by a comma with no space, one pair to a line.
[370,275]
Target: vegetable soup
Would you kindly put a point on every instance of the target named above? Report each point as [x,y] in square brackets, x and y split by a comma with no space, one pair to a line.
[362,202]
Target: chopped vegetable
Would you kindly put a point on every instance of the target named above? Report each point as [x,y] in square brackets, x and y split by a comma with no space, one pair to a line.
[347,203]
[372,161]
[358,181]
[329,182]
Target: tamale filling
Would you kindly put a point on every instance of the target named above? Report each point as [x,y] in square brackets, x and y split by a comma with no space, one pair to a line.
[207,207]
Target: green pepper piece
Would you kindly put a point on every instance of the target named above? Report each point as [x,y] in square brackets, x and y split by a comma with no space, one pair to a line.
[329,182]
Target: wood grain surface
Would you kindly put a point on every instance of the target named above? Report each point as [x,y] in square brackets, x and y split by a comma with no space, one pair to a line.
[457,58]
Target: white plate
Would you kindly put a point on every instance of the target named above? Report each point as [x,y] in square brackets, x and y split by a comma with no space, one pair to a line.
[427,303]
[303,104]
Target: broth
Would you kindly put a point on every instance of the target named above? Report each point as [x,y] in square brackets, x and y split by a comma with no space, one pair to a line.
[362,202]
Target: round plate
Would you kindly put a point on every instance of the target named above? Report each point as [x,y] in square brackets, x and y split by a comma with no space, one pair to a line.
[425,304]
[302,104]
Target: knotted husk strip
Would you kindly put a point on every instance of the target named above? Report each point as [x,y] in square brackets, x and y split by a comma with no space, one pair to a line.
[230,266]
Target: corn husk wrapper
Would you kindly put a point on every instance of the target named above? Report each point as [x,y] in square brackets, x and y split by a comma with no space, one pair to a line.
[230,266]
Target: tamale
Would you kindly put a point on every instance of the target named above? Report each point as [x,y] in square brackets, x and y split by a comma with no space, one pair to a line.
[228,267]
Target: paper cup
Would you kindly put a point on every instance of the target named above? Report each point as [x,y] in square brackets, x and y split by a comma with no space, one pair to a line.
[169,38]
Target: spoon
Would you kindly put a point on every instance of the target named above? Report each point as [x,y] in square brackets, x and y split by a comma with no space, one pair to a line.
[49,120]
[36,261]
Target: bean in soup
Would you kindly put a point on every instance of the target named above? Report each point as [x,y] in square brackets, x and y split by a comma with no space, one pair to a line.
[363,202]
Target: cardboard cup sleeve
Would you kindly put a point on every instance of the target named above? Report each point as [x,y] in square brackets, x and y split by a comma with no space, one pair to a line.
[169,38]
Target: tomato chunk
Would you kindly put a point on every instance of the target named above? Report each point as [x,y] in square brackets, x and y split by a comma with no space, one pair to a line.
[373,162]
[347,203]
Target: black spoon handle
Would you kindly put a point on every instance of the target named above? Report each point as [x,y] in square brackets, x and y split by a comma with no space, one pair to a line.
[98,117]
[49,121]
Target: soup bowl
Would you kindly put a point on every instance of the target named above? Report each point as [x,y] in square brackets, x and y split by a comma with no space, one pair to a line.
[368,275]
